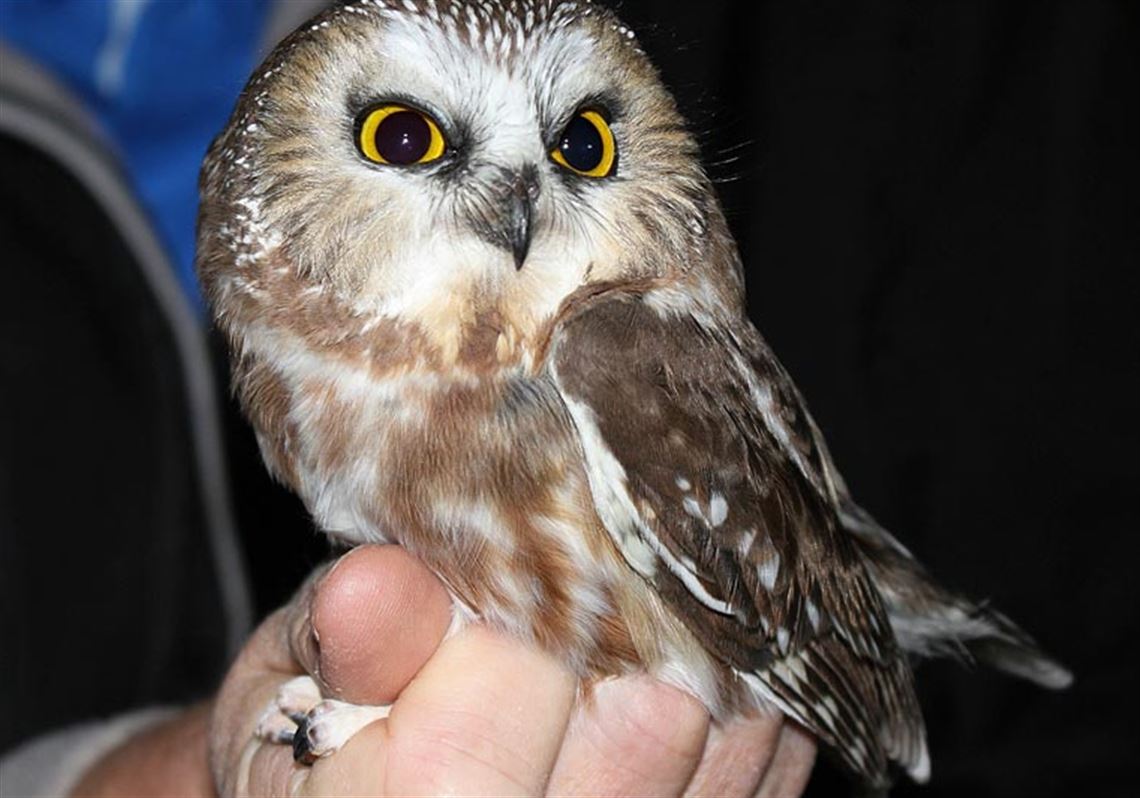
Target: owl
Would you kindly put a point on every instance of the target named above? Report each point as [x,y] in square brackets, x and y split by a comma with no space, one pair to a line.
[483,303]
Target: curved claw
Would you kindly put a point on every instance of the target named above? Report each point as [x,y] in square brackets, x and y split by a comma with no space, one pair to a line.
[303,753]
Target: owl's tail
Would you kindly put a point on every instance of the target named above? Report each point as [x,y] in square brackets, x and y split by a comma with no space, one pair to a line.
[930,620]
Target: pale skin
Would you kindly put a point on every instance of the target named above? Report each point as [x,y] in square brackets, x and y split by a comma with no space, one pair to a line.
[475,714]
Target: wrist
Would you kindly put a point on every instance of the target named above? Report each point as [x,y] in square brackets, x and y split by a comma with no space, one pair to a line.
[169,759]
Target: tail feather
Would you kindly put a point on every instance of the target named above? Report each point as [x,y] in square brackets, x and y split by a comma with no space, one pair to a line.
[930,620]
[1002,645]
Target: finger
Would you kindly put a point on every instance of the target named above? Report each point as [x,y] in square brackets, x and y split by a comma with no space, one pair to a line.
[486,715]
[269,770]
[635,736]
[375,619]
[242,763]
[788,775]
[252,682]
[168,759]
[359,768]
[349,624]
[736,756]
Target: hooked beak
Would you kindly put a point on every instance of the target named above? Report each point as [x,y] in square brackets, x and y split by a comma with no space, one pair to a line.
[505,213]
[520,214]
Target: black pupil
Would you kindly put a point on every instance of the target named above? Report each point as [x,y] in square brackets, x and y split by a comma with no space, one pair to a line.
[582,145]
[403,138]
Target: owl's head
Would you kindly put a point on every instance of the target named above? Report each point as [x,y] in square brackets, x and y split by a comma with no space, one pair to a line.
[454,164]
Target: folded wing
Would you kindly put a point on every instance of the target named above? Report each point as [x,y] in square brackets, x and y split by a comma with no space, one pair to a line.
[705,469]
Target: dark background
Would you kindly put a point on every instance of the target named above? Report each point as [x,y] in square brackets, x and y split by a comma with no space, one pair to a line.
[937,205]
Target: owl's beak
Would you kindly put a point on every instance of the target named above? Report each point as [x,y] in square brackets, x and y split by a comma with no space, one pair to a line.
[505,217]
[520,213]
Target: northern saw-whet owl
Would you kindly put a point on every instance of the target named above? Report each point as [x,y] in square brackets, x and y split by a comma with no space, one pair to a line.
[483,303]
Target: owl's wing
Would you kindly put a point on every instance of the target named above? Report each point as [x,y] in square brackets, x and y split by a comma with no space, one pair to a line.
[927,617]
[706,471]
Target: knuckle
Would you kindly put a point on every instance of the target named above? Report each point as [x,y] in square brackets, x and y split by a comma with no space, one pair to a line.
[457,752]
[655,720]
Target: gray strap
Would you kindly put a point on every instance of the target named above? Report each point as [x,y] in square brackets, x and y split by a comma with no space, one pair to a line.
[42,113]
[284,17]
[51,765]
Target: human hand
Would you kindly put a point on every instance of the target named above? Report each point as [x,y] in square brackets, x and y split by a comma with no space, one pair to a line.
[477,713]
[167,760]
[480,715]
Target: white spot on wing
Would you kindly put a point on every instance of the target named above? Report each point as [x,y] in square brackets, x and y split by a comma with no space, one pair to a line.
[609,486]
[783,637]
[813,614]
[793,710]
[827,714]
[746,541]
[718,509]
[611,497]
[769,570]
[830,704]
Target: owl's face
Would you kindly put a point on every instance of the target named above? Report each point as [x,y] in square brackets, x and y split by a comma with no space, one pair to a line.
[445,163]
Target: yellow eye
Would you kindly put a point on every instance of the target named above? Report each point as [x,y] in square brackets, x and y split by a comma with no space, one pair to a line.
[587,146]
[398,135]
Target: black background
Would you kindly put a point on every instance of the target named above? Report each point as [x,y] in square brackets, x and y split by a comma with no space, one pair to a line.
[937,207]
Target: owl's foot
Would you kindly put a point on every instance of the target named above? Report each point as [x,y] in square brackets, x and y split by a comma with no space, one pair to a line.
[329,725]
[313,726]
[292,703]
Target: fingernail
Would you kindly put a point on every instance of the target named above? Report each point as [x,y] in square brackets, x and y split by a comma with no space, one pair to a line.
[304,641]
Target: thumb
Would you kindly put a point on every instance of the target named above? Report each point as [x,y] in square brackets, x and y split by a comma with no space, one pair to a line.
[373,621]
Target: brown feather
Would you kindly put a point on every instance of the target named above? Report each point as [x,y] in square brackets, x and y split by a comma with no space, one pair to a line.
[702,457]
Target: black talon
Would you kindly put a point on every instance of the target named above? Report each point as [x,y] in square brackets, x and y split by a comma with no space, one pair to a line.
[283,737]
[302,750]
